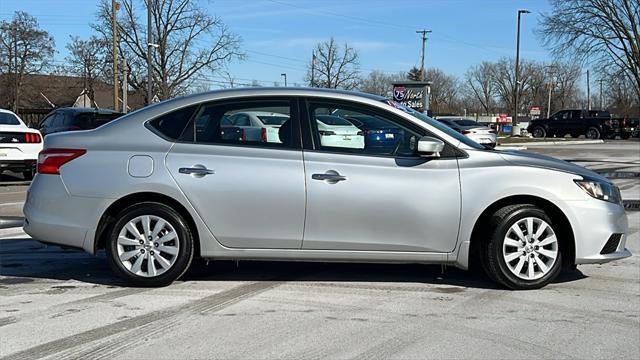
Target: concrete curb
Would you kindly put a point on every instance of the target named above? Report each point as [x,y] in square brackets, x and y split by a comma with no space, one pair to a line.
[558,142]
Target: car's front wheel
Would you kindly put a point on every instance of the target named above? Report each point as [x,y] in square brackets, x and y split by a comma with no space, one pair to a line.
[523,250]
[539,132]
[593,133]
[150,245]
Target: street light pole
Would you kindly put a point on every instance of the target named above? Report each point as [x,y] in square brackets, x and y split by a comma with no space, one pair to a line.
[285,78]
[114,49]
[515,95]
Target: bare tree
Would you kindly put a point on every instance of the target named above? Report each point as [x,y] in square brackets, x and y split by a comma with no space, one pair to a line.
[336,67]
[24,49]
[414,74]
[88,59]
[444,91]
[380,83]
[480,84]
[605,32]
[189,42]
[564,78]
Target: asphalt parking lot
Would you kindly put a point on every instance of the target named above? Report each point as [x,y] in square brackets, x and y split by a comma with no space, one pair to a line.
[57,303]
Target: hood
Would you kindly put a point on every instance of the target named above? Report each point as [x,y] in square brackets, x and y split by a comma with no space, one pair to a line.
[522,158]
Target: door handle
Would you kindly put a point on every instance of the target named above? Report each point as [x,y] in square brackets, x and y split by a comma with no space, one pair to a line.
[331,177]
[196,170]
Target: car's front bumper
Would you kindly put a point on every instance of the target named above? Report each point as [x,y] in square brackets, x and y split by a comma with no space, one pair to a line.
[594,222]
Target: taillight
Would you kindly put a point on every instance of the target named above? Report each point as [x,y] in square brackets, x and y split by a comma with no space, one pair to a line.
[465,132]
[263,135]
[243,135]
[32,138]
[50,160]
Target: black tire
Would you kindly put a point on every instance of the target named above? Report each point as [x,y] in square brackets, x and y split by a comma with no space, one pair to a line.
[185,239]
[593,133]
[539,132]
[28,174]
[491,250]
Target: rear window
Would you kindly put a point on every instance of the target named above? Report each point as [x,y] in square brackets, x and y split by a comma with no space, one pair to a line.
[172,124]
[272,119]
[333,120]
[466,122]
[8,119]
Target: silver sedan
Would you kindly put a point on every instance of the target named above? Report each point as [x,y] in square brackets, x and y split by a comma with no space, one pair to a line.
[164,184]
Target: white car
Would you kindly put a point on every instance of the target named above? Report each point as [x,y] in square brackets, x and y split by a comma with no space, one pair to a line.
[479,133]
[19,145]
[336,131]
[259,125]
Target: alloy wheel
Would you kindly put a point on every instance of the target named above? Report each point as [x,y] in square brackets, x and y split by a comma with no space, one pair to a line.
[530,248]
[148,245]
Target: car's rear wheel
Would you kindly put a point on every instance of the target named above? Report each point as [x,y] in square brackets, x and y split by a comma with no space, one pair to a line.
[593,133]
[539,132]
[150,245]
[523,250]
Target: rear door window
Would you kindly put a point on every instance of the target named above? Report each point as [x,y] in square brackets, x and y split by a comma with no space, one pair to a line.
[171,125]
[229,124]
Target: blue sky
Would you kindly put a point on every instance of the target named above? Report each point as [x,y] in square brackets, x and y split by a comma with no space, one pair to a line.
[278,35]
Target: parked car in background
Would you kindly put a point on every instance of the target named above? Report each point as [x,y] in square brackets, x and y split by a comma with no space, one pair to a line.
[379,135]
[336,131]
[155,194]
[628,127]
[475,131]
[72,118]
[19,145]
[593,124]
[259,125]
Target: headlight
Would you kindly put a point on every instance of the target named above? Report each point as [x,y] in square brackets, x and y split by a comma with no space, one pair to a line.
[600,190]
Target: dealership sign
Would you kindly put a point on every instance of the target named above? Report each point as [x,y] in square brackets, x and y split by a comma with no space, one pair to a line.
[413,94]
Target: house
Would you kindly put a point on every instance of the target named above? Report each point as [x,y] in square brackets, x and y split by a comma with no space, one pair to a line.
[42,93]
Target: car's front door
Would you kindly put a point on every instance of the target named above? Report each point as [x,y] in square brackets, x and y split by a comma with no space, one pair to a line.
[251,194]
[359,198]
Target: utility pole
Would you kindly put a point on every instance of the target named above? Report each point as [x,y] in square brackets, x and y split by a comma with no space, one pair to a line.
[514,121]
[588,92]
[601,104]
[313,67]
[15,72]
[285,78]
[84,89]
[150,45]
[114,46]
[424,44]
[125,82]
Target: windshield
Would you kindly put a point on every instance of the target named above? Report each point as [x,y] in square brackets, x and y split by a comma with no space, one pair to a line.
[442,127]
[8,119]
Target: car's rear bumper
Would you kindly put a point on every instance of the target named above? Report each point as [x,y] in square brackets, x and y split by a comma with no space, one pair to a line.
[54,216]
[18,165]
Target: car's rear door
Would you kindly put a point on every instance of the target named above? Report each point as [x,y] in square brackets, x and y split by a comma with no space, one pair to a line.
[365,199]
[251,194]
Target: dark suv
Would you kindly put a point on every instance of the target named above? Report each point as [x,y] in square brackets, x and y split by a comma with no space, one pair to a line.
[70,119]
[593,124]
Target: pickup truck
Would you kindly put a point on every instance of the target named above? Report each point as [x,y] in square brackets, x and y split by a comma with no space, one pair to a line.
[629,127]
[593,124]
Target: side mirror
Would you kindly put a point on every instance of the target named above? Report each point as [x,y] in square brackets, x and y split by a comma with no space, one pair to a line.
[430,147]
